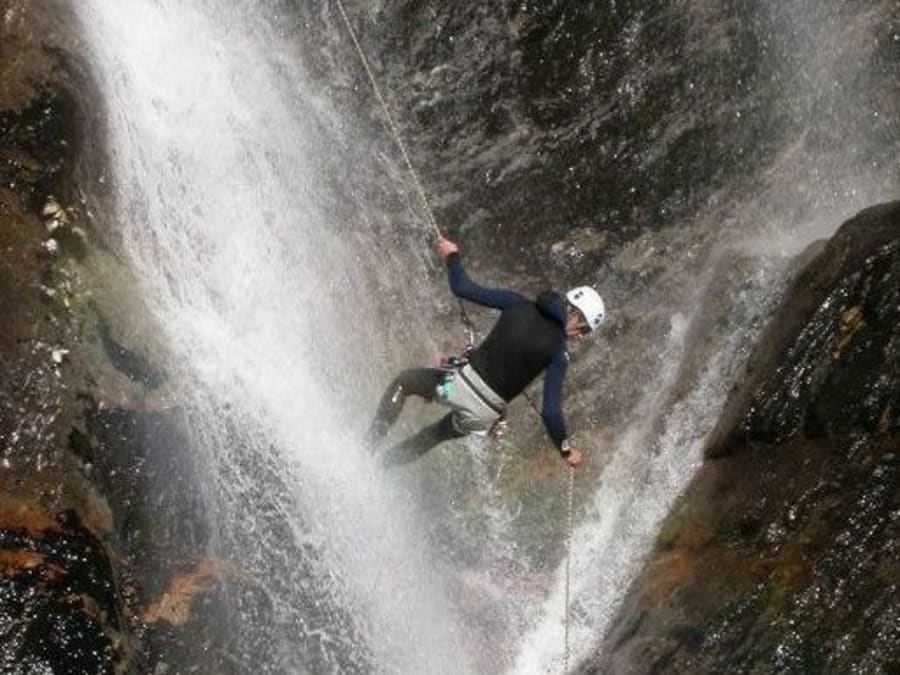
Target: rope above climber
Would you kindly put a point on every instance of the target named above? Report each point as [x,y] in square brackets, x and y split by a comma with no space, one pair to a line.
[530,337]
[478,403]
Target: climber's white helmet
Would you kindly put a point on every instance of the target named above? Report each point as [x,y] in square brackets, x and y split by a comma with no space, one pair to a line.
[587,301]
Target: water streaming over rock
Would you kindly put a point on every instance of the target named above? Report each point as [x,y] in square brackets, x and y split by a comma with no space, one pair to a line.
[229,201]
[214,171]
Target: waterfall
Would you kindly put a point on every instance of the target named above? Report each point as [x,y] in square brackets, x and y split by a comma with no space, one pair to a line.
[213,169]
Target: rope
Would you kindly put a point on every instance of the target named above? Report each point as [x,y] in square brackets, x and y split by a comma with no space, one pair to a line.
[391,123]
[395,132]
[467,321]
[568,569]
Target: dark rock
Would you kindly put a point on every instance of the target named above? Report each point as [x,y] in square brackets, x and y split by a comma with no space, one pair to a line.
[58,603]
[811,586]
[125,360]
[830,359]
[145,471]
[60,609]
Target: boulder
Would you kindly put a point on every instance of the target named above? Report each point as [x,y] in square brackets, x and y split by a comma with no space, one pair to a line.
[829,360]
[781,555]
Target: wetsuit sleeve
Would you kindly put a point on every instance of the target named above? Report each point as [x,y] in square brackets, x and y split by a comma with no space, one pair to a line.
[551,411]
[463,287]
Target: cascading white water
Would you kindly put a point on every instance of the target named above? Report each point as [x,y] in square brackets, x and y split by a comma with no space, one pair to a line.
[214,173]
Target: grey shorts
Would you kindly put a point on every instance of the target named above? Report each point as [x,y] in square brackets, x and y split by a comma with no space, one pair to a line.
[476,407]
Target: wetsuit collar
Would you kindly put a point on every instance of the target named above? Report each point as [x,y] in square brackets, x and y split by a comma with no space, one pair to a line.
[552,304]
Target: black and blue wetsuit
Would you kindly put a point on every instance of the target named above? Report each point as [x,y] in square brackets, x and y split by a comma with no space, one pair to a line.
[527,339]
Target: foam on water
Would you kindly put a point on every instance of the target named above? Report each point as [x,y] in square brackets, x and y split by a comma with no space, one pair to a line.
[222,217]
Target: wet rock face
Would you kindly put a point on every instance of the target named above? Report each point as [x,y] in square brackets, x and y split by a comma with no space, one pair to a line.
[533,119]
[840,376]
[782,554]
[98,508]
[59,607]
[781,561]
[58,602]
[830,361]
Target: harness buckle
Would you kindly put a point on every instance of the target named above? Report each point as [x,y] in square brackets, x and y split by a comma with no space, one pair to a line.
[450,363]
[498,429]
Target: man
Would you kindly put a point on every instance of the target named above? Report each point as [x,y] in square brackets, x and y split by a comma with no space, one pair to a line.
[530,337]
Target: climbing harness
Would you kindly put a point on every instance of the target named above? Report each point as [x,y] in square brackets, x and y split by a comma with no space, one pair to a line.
[456,363]
[445,386]
[453,365]
[397,394]
[570,492]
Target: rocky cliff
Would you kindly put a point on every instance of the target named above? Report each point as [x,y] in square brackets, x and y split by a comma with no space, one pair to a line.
[91,577]
[782,554]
